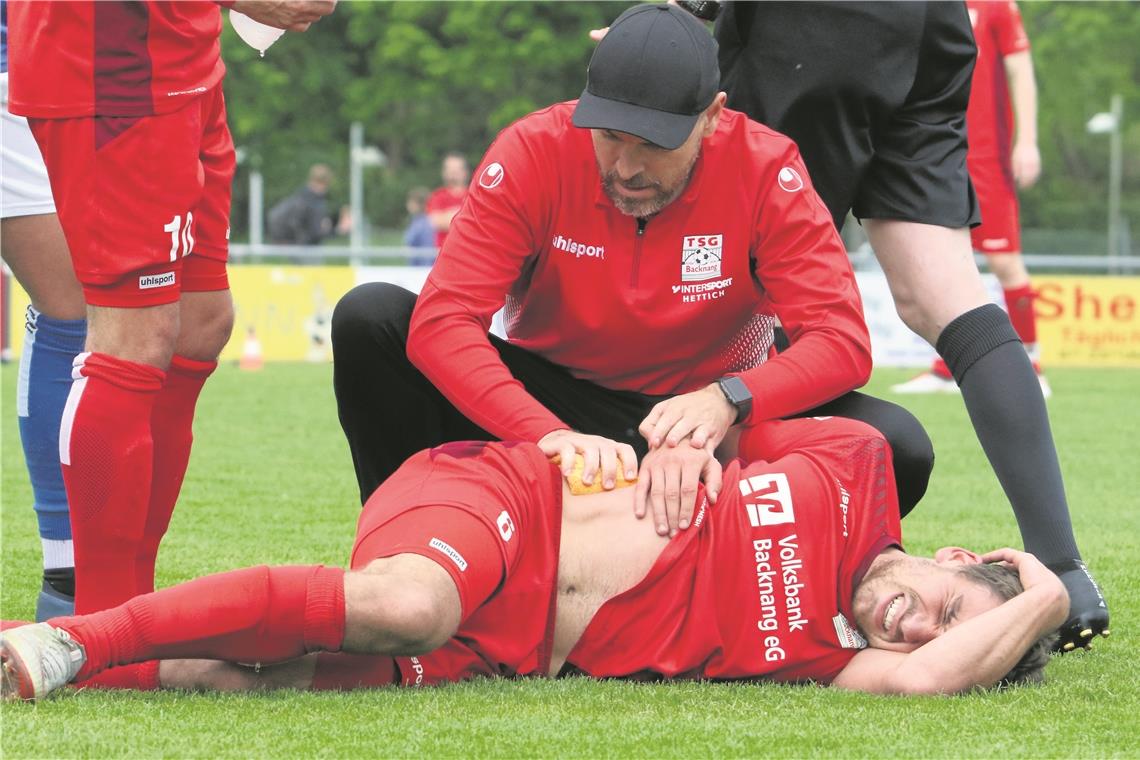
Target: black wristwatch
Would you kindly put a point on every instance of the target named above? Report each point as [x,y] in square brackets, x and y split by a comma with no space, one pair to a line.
[738,395]
[705,10]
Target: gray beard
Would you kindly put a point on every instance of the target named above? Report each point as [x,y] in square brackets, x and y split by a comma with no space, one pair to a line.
[649,206]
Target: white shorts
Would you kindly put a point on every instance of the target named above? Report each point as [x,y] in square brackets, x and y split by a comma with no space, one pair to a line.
[24,187]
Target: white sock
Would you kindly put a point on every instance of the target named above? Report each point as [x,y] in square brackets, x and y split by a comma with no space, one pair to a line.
[58,553]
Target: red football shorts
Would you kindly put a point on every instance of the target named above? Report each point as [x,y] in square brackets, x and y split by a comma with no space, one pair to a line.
[1000,230]
[144,201]
[455,539]
[490,515]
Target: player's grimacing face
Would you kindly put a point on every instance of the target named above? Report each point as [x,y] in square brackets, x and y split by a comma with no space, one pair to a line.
[907,601]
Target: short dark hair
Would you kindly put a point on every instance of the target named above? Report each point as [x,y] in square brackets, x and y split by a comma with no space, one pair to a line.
[1004,582]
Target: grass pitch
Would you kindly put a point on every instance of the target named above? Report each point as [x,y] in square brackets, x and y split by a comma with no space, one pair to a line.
[271,482]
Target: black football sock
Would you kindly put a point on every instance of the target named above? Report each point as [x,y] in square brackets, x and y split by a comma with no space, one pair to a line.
[1007,409]
[62,579]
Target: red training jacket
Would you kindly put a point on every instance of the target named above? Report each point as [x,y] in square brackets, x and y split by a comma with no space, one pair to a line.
[666,309]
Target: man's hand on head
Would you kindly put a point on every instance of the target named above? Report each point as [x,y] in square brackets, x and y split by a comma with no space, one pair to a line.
[667,485]
[704,417]
[600,455]
[1088,611]
[293,15]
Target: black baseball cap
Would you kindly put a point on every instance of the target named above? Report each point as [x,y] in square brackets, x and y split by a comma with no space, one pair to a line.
[652,75]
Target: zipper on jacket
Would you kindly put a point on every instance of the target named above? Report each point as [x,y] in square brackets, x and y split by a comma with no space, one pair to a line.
[638,240]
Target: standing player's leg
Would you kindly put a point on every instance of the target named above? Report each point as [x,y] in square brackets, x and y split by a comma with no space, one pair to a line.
[1017,290]
[999,238]
[206,317]
[125,189]
[34,247]
[55,329]
[939,294]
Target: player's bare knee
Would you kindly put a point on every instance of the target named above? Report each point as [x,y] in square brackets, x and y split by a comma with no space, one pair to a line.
[145,335]
[420,619]
[916,316]
[218,328]
[400,605]
[208,322]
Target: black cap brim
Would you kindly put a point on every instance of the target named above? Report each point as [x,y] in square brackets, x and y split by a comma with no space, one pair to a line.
[669,130]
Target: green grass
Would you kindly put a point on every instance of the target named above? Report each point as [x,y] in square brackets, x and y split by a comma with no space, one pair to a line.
[271,482]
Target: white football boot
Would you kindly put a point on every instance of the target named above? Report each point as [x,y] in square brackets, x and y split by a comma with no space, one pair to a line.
[927,382]
[35,660]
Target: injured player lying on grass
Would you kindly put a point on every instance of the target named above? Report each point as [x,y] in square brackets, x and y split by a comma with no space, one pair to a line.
[477,559]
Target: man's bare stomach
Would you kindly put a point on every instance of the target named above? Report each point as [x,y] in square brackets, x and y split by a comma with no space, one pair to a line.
[604,551]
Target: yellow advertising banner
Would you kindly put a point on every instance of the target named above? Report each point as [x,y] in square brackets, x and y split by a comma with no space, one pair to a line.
[285,312]
[1088,321]
[282,312]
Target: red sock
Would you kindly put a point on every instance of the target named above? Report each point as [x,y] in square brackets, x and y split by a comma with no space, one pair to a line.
[259,614]
[1019,303]
[939,368]
[170,427]
[106,450]
[141,676]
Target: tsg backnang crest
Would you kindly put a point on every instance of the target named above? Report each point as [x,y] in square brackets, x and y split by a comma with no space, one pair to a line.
[700,257]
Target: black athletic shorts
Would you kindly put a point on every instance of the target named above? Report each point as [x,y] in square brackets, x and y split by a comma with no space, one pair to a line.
[874,94]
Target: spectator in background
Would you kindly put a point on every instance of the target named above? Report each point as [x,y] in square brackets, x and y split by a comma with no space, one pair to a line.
[1003,156]
[420,232]
[303,217]
[444,203]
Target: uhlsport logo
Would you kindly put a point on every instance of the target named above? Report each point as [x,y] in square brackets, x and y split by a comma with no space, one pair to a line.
[790,180]
[578,249]
[448,550]
[701,257]
[492,176]
[148,281]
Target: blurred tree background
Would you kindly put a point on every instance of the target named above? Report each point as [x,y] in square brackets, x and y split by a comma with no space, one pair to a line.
[428,77]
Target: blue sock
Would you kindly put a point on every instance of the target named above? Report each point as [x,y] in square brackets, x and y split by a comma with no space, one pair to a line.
[50,347]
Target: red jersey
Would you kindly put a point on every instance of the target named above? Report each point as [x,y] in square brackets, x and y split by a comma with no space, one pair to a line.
[761,585]
[662,306]
[444,199]
[989,118]
[517,492]
[111,58]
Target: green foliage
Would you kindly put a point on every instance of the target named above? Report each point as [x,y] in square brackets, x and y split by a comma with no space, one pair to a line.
[271,481]
[1083,53]
[423,77]
[429,77]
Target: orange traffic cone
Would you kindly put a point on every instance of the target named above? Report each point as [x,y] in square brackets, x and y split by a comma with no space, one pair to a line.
[251,358]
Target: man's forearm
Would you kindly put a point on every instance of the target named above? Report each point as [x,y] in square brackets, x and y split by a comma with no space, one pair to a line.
[1023,96]
[980,651]
[817,368]
[451,348]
